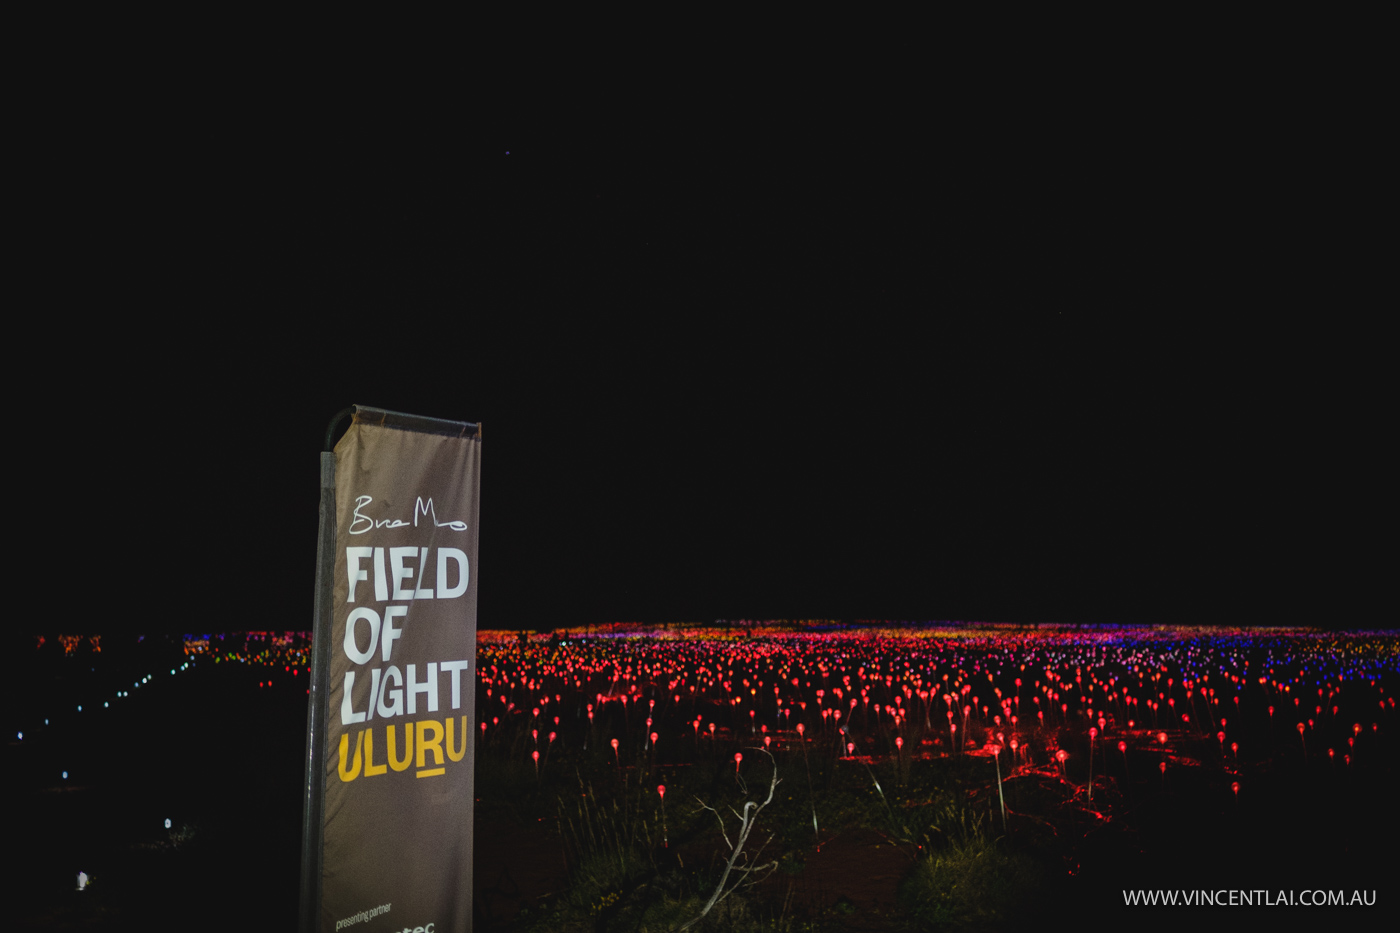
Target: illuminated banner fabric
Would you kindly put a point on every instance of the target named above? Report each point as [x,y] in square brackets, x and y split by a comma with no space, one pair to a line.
[399,732]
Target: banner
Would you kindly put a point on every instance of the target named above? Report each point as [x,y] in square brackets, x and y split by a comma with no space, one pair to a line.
[400,723]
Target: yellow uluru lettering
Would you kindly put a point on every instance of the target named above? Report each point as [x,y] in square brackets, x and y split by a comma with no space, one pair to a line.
[424,743]
[348,776]
[372,769]
[407,750]
[456,754]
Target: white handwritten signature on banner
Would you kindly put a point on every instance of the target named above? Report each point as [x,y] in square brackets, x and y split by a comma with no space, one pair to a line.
[363,523]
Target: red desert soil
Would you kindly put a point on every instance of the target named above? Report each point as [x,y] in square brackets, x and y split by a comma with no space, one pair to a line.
[514,866]
[853,879]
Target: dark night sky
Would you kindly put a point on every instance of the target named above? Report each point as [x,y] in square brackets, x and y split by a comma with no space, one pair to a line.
[923,359]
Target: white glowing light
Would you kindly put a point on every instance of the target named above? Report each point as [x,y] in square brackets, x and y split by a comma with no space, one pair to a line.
[167,824]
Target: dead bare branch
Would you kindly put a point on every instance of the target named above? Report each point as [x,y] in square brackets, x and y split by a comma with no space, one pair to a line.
[747,820]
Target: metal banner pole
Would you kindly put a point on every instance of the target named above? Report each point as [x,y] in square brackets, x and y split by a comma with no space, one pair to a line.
[312,817]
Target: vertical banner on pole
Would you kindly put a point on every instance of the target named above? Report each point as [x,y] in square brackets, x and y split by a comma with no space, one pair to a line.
[400,723]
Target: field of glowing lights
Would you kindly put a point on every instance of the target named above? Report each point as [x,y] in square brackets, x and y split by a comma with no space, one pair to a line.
[927,776]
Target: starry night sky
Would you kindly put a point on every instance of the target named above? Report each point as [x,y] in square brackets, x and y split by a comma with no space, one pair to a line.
[735,357]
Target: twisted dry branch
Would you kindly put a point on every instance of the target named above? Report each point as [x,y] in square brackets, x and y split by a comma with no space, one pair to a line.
[747,820]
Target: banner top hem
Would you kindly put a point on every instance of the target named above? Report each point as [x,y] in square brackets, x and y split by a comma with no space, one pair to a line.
[365,414]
